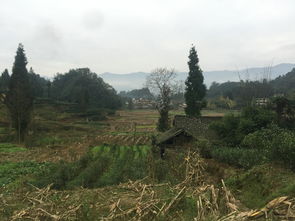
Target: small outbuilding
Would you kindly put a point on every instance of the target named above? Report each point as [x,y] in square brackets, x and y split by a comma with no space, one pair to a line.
[185,130]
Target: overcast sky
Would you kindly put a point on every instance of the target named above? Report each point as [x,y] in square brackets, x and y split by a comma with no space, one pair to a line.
[125,36]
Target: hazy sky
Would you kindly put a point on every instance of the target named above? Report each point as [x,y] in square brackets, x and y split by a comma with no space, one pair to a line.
[125,36]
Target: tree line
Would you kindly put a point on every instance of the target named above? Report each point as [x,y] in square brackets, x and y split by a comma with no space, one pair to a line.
[22,88]
[243,93]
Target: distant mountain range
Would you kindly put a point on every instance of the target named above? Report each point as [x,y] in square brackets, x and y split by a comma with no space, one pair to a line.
[137,80]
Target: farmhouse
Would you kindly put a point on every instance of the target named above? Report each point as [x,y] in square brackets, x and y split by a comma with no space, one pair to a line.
[185,130]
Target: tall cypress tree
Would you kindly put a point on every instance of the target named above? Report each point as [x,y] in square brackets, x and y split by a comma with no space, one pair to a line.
[4,81]
[19,99]
[195,90]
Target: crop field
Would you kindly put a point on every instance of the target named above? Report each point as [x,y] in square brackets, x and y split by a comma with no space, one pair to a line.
[73,168]
[59,135]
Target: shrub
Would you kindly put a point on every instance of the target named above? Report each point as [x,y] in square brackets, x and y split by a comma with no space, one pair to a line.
[226,129]
[205,148]
[277,144]
[283,148]
[239,157]
[232,129]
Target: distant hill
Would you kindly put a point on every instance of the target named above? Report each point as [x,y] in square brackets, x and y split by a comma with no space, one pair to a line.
[285,84]
[137,80]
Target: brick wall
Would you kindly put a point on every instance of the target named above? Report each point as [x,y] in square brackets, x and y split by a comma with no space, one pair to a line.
[197,127]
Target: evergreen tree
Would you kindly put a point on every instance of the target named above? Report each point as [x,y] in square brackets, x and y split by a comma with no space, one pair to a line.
[130,104]
[4,81]
[195,90]
[19,99]
[38,84]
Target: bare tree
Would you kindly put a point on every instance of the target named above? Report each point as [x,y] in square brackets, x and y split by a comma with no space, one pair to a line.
[160,82]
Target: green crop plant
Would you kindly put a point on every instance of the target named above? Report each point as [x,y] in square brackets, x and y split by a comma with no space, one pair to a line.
[11,148]
[101,166]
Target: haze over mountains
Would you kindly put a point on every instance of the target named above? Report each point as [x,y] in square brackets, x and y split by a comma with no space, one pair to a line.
[137,80]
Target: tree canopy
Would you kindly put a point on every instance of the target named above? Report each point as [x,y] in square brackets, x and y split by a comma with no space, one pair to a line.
[160,82]
[195,90]
[4,81]
[19,99]
[85,88]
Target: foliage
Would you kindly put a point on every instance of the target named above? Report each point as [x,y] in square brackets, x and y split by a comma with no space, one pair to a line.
[277,143]
[244,92]
[271,144]
[4,81]
[48,141]
[284,84]
[285,109]
[10,148]
[10,172]
[221,102]
[232,129]
[195,89]
[39,85]
[19,99]
[261,184]
[163,122]
[137,94]
[205,148]
[226,129]
[85,88]
[239,157]
[160,82]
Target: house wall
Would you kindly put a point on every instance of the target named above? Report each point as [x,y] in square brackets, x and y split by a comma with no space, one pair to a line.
[197,127]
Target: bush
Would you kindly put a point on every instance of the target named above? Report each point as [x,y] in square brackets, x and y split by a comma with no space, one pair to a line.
[283,148]
[205,148]
[242,158]
[239,157]
[278,144]
[226,129]
[232,129]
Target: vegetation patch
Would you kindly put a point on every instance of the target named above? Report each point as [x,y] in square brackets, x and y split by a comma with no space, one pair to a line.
[239,157]
[261,184]
[10,172]
[101,166]
[10,148]
[48,140]
[145,126]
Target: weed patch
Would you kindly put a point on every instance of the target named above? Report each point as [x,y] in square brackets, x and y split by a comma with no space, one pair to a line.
[10,148]
[10,172]
[261,184]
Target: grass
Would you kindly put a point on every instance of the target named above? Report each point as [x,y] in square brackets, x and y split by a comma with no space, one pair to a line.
[131,133]
[2,130]
[48,140]
[145,126]
[11,148]
[10,172]
[261,184]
